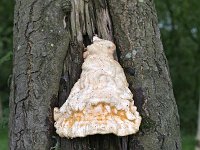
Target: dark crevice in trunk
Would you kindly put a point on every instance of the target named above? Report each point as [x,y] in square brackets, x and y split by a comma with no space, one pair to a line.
[86,40]
[71,74]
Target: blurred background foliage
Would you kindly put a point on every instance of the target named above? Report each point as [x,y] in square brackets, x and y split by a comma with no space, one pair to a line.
[6,44]
[180,29]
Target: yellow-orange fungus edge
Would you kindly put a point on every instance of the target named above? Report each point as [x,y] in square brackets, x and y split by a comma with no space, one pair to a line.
[101,114]
[93,115]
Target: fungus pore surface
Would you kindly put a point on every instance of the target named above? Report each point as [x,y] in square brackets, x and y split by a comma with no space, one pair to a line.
[100,102]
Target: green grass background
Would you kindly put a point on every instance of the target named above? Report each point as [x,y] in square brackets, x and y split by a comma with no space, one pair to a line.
[4,139]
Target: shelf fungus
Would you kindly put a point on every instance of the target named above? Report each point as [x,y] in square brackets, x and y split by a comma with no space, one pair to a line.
[100,102]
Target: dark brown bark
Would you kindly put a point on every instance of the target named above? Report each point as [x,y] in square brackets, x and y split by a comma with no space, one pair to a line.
[40,46]
[47,62]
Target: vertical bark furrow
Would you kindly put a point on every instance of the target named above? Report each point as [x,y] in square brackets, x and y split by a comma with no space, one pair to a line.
[87,18]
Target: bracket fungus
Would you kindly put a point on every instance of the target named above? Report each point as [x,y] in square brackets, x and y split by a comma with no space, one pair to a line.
[100,102]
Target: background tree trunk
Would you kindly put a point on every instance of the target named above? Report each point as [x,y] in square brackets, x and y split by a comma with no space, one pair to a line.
[1,110]
[198,128]
[48,47]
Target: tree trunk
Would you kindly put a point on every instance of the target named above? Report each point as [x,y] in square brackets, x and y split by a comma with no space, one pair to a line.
[40,47]
[49,38]
[1,110]
[198,128]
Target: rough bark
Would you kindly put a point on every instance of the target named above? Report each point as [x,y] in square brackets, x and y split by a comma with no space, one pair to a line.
[40,46]
[137,35]
[49,38]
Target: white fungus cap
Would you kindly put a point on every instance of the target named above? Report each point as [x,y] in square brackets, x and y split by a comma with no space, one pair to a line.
[100,102]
